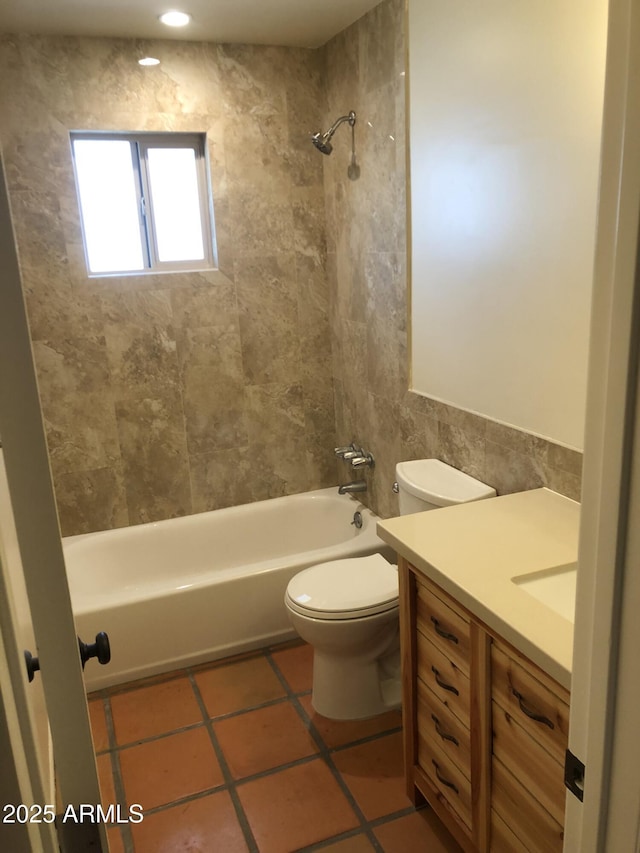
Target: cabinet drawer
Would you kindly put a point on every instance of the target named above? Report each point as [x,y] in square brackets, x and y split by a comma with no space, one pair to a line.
[445,627]
[446,778]
[526,818]
[436,722]
[444,678]
[538,704]
[532,766]
[502,838]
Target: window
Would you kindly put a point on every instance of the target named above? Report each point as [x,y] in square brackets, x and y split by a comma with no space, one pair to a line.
[144,201]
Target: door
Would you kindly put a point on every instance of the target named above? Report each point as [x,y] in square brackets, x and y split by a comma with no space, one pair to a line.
[26,746]
[603,732]
[40,552]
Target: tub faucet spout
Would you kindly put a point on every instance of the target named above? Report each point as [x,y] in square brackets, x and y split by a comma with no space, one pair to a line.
[348,488]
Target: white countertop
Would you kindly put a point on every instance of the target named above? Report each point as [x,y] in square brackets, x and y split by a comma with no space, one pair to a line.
[474,550]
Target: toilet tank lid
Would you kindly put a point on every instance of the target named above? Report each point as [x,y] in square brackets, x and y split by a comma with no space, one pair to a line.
[440,484]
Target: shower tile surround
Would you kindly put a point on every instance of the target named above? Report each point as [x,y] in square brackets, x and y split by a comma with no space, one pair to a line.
[170,394]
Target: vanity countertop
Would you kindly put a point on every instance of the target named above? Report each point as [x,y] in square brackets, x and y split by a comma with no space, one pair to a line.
[474,550]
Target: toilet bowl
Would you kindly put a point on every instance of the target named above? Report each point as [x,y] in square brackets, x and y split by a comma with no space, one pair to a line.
[348,609]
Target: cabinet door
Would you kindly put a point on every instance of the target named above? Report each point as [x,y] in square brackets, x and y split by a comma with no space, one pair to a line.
[530,714]
[527,819]
[536,769]
[537,703]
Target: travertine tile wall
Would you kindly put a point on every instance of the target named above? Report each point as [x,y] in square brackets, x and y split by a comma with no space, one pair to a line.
[175,394]
[366,240]
[172,394]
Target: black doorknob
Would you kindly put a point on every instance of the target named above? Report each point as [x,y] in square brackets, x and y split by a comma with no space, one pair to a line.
[33,664]
[100,649]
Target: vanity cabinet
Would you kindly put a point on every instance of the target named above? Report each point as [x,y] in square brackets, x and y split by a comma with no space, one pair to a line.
[485,729]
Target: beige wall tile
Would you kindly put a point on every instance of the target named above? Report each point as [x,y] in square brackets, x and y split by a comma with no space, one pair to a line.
[170,393]
[91,500]
[147,375]
[366,239]
[154,457]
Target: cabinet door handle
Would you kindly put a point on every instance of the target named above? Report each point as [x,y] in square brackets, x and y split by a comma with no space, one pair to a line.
[446,635]
[533,715]
[443,735]
[441,777]
[442,683]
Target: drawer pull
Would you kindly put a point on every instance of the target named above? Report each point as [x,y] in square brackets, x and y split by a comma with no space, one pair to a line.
[446,635]
[443,735]
[539,718]
[442,779]
[443,684]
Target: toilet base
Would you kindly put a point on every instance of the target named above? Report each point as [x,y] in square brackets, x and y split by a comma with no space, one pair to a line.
[346,689]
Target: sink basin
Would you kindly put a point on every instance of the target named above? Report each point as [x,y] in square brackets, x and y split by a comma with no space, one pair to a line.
[556,588]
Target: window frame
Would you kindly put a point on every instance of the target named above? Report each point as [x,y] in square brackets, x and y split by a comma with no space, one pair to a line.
[140,142]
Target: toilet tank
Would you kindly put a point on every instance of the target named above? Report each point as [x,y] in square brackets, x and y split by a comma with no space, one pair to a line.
[429,483]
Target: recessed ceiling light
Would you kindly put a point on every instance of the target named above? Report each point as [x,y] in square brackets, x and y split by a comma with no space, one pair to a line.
[149,60]
[175,19]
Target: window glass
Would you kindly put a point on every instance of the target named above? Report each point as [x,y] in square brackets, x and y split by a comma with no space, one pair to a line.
[110,204]
[173,180]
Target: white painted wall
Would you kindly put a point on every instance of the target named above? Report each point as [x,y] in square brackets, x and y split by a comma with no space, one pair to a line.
[505,123]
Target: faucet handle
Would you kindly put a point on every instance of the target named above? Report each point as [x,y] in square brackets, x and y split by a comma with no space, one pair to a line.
[363,459]
[342,451]
[350,455]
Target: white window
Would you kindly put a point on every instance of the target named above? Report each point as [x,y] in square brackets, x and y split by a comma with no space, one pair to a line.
[144,201]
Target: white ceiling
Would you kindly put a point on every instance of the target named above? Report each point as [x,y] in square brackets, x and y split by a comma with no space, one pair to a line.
[301,23]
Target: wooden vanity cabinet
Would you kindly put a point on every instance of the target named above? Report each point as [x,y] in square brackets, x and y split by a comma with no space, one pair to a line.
[485,731]
[445,666]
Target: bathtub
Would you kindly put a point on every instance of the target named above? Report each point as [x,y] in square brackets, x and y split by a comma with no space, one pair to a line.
[180,592]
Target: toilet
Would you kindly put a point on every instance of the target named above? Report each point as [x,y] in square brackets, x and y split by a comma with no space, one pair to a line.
[348,609]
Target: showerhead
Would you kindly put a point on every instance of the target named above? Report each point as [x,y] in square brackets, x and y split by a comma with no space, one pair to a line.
[322,141]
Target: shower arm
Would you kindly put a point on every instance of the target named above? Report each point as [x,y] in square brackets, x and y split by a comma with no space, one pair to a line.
[351,118]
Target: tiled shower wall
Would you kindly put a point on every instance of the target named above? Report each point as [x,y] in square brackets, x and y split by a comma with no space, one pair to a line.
[366,263]
[170,394]
[174,394]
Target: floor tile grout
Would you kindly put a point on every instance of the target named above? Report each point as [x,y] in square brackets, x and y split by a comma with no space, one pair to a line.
[226,772]
[233,785]
[326,755]
[118,781]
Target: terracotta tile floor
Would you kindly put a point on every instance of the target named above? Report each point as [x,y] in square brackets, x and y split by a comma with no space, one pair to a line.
[231,757]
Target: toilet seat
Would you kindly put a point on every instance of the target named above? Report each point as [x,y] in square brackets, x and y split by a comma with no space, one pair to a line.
[345,589]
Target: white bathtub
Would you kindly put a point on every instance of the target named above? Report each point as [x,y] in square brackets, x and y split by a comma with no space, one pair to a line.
[187,590]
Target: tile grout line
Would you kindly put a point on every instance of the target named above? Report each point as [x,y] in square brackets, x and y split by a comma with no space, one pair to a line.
[326,755]
[122,747]
[118,782]
[354,833]
[229,781]
[130,744]
[365,828]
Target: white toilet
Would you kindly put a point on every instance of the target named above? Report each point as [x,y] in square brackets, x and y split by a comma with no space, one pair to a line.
[348,609]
